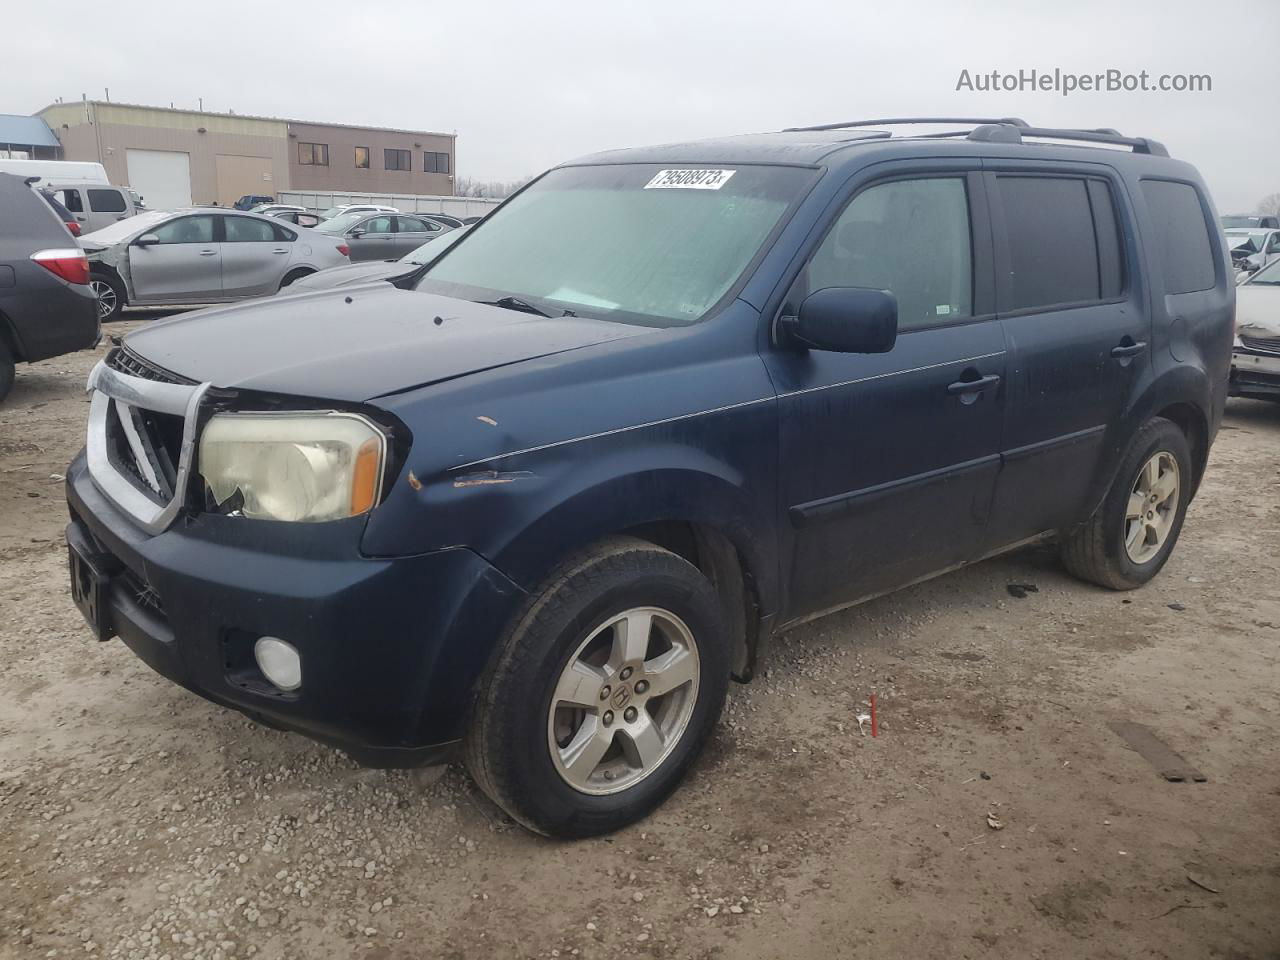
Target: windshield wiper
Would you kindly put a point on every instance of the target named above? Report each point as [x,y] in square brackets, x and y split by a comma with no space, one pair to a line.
[514,303]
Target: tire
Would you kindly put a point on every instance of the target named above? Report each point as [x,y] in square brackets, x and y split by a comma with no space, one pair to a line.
[110,294]
[7,371]
[293,275]
[1097,550]
[517,741]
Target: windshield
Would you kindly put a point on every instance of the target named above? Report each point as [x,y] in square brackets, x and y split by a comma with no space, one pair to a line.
[1242,221]
[433,247]
[332,212]
[638,243]
[341,223]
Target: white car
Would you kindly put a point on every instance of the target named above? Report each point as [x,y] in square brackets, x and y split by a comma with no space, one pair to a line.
[1255,359]
[356,208]
[201,255]
[1252,248]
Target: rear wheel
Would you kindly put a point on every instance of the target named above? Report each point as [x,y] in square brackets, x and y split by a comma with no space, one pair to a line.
[603,693]
[110,295]
[1129,539]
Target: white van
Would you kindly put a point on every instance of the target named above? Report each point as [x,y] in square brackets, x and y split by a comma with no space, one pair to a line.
[65,171]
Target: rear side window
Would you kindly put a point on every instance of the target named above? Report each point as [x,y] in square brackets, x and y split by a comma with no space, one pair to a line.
[245,230]
[1182,236]
[106,201]
[1064,241]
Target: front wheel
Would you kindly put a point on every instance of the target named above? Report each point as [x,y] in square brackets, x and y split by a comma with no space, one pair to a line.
[603,692]
[109,292]
[1129,539]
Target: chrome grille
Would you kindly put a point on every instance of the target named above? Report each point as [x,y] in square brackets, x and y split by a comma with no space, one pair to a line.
[141,436]
[1265,344]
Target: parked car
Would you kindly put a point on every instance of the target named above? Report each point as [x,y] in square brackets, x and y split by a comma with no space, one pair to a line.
[1259,221]
[46,308]
[356,208]
[1255,361]
[251,200]
[380,236]
[83,171]
[399,273]
[138,203]
[94,205]
[1252,249]
[201,255]
[66,216]
[300,218]
[536,510]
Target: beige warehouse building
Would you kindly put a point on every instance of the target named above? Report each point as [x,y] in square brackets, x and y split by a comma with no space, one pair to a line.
[179,157]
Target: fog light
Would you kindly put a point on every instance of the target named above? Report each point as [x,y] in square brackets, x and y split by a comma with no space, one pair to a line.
[279,662]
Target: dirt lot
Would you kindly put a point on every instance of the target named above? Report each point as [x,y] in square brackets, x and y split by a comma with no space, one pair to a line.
[137,820]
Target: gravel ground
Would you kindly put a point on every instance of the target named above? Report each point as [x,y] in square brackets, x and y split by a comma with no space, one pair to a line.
[139,821]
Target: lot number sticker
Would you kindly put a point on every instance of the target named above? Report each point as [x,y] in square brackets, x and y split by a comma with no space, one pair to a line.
[689,179]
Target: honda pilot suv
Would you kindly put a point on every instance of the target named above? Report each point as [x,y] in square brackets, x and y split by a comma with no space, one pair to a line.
[536,510]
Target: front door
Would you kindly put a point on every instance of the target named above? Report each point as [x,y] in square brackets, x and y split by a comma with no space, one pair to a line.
[106,206]
[184,266]
[254,257]
[372,239]
[889,460]
[1079,340]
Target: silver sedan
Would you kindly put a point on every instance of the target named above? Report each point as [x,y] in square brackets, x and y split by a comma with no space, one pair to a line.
[201,255]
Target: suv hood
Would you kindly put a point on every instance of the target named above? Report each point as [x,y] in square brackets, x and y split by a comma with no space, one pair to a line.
[359,344]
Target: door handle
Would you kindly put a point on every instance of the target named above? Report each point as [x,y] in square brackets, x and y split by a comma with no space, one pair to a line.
[280,251]
[1128,349]
[963,387]
[208,253]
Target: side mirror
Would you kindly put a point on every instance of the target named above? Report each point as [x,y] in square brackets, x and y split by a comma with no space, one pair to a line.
[356,234]
[846,320]
[146,240]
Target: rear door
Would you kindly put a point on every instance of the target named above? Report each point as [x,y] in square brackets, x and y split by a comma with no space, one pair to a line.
[413,232]
[888,461]
[1078,333]
[107,205]
[254,256]
[185,266]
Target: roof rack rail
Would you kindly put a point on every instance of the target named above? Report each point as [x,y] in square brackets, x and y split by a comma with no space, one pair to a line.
[1003,130]
[1013,133]
[906,120]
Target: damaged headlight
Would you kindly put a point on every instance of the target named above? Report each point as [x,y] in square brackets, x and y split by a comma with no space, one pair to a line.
[305,467]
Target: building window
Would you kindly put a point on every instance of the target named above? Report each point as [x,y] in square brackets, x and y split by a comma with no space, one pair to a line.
[397,159]
[362,158]
[313,154]
[435,162]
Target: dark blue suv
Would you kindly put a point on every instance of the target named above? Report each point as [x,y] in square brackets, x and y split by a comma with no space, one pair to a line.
[538,508]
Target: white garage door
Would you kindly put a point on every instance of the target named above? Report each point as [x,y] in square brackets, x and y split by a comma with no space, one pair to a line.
[161,177]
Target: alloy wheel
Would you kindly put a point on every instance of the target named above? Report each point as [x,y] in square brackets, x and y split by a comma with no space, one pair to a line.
[106,296]
[1152,508]
[623,700]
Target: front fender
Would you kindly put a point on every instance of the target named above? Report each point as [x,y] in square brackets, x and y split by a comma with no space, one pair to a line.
[526,513]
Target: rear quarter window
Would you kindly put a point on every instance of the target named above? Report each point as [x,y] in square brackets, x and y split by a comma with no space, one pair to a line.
[1181,235]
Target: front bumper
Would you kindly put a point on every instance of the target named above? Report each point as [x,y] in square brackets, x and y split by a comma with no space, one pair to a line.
[1255,374]
[390,647]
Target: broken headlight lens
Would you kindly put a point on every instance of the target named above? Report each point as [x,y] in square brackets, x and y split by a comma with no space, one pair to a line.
[303,467]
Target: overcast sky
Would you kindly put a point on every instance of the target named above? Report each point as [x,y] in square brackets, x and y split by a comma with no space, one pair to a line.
[526,85]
